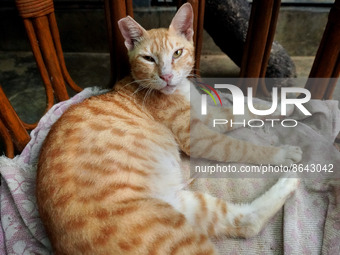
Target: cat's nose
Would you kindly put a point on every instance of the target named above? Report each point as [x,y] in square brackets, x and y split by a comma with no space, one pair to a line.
[166,77]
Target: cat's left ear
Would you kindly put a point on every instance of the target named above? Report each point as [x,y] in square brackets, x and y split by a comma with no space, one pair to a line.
[182,23]
[131,31]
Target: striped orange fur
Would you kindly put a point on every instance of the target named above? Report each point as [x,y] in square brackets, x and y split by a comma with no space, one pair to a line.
[109,178]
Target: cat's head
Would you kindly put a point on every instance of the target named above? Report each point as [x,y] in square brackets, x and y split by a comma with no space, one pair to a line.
[160,58]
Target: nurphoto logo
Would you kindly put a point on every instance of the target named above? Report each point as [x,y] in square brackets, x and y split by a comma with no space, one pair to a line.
[238,107]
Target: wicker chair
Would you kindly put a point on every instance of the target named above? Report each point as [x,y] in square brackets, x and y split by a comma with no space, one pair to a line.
[41,27]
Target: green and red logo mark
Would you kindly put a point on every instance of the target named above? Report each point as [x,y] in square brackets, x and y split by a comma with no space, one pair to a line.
[205,87]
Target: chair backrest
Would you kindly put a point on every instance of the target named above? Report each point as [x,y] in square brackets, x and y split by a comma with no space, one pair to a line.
[260,36]
[42,30]
[327,59]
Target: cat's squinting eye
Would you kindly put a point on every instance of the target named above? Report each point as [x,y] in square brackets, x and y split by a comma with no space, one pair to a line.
[148,58]
[177,53]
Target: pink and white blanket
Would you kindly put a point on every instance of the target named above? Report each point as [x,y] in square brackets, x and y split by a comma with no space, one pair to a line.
[309,223]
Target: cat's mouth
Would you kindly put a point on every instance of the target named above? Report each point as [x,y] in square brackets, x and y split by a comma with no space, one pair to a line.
[168,89]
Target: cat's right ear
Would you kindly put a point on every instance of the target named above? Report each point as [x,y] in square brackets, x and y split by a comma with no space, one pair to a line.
[131,31]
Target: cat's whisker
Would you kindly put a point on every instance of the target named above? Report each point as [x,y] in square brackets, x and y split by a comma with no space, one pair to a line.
[140,88]
[146,96]
[128,84]
[194,75]
[142,80]
[135,81]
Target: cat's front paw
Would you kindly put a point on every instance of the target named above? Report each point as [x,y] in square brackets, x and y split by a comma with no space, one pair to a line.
[288,155]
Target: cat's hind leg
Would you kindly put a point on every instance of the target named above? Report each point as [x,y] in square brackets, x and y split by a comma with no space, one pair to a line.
[216,217]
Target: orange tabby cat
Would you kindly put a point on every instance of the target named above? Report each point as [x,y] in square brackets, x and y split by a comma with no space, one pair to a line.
[109,178]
